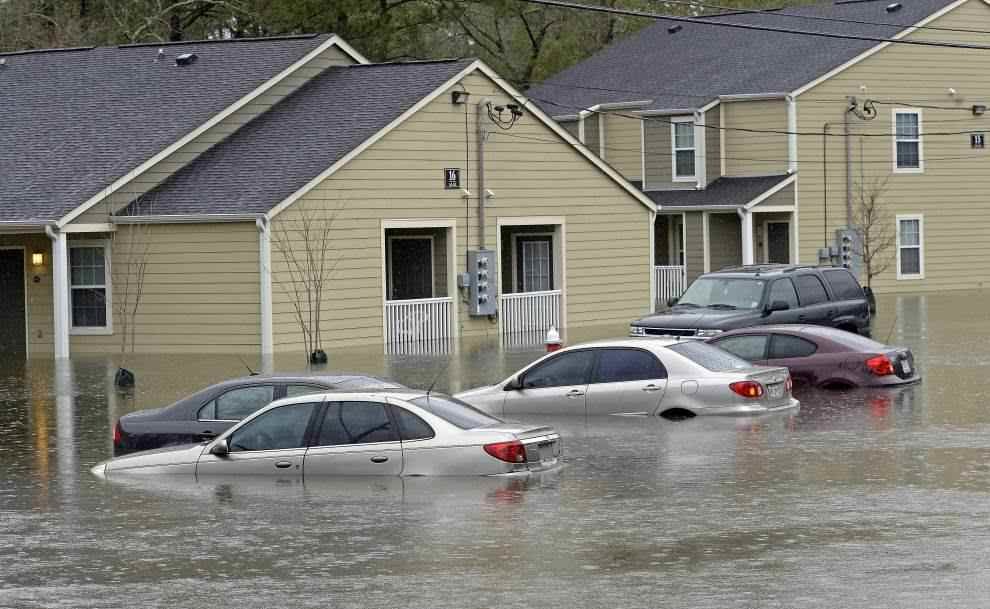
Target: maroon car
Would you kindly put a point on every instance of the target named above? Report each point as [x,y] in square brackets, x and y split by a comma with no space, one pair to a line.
[822,356]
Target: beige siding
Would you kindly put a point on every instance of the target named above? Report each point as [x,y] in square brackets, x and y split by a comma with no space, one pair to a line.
[184,155]
[606,230]
[951,193]
[623,144]
[694,252]
[38,297]
[659,155]
[783,197]
[725,240]
[592,132]
[713,151]
[748,153]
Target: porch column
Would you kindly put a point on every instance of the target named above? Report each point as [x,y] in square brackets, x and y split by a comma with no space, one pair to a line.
[746,223]
[265,281]
[60,292]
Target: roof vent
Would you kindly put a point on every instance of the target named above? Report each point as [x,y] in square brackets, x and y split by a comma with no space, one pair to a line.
[675,28]
[185,59]
[893,8]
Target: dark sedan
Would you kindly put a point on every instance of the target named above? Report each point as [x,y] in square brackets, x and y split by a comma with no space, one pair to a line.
[211,411]
[822,357]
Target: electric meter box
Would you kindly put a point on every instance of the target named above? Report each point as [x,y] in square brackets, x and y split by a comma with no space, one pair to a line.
[482,282]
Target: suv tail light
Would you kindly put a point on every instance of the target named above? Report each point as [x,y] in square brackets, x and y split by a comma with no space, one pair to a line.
[510,452]
[880,365]
[116,433]
[747,389]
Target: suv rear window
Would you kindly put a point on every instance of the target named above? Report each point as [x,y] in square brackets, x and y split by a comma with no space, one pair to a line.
[810,289]
[457,413]
[709,357]
[843,284]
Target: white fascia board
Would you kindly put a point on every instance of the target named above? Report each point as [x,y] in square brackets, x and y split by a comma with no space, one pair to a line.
[566,117]
[344,46]
[186,219]
[7,226]
[333,41]
[769,193]
[710,105]
[751,97]
[620,105]
[89,228]
[873,50]
[476,65]
[670,112]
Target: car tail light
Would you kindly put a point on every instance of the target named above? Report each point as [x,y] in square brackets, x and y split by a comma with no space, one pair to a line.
[880,365]
[747,389]
[510,452]
[116,433]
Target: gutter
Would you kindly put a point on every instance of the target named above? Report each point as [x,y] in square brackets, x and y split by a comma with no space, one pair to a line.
[18,225]
[186,218]
[752,96]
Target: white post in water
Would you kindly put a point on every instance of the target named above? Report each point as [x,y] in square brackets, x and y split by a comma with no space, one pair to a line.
[60,292]
[746,223]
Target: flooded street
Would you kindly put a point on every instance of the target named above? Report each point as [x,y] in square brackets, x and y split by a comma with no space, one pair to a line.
[865,498]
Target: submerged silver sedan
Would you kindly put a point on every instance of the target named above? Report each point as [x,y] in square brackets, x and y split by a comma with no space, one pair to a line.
[388,433]
[651,376]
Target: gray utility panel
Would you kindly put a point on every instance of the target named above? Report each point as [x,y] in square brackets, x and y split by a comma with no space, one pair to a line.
[482,274]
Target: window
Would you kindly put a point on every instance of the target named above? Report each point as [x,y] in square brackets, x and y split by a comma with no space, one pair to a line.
[783,290]
[784,346]
[709,357]
[411,427]
[811,290]
[534,263]
[682,142]
[356,423]
[278,429]
[910,257]
[843,284]
[907,141]
[292,391]
[750,347]
[569,368]
[623,365]
[238,403]
[89,284]
[457,413]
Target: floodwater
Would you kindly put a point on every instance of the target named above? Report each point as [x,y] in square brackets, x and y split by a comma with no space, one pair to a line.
[861,499]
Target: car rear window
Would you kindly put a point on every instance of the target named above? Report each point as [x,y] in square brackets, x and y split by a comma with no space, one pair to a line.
[709,357]
[844,285]
[457,413]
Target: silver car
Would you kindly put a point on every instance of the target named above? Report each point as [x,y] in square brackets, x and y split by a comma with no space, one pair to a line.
[654,376]
[379,433]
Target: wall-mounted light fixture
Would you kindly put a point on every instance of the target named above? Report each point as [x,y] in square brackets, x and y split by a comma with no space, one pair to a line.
[459,97]
[979,109]
[38,258]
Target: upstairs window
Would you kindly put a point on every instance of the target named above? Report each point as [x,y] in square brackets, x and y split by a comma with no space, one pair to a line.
[682,142]
[907,141]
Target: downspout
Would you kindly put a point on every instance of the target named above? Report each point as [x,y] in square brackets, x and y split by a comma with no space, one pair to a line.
[481,135]
[265,281]
[60,291]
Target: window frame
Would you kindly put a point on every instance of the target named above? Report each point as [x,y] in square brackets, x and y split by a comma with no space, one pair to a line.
[107,288]
[920,247]
[674,177]
[919,140]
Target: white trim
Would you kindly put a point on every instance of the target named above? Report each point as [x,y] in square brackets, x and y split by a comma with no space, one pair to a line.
[652,260]
[419,223]
[529,220]
[751,96]
[700,151]
[792,136]
[871,51]
[669,112]
[89,228]
[27,313]
[705,238]
[620,105]
[265,284]
[674,149]
[795,233]
[581,116]
[766,239]
[344,46]
[184,219]
[920,247]
[709,106]
[332,41]
[774,209]
[107,287]
[60,293]
[684,241]
[601,134]
[746,230]
[642,152]
[770,192]
[920,140]
[721,142]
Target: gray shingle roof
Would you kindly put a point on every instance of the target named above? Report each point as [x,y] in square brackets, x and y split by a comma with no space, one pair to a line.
[73,121]
[279,152]
[723,192]
[695,65]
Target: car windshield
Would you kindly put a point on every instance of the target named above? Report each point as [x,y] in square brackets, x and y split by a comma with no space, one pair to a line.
[454,411]
[724,293]
[709,357]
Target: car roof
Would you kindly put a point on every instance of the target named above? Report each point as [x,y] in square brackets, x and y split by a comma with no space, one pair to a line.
[325,378]
[768,270]
[632,341]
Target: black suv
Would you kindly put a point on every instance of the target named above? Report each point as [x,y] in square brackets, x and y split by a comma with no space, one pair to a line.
[764,294]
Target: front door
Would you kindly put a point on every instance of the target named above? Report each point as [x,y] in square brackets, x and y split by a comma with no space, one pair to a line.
[778,242]
[12,321]
[410,268]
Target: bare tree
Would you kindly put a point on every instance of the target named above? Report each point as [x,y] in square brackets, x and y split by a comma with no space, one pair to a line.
[304,245]
[876,230]
[131,246]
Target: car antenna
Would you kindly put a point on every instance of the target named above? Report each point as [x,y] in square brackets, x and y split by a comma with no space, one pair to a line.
[437,377]
[892,324]
[250,372]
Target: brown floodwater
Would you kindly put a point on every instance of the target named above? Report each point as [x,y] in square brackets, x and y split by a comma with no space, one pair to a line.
[861,499]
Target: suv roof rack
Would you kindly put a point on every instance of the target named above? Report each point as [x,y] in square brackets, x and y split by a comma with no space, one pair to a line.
[766,268]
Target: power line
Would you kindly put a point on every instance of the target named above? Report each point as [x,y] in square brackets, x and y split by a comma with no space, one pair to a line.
[752,27]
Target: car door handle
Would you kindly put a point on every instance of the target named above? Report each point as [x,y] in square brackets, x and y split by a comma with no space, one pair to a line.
[379,459]
[283,464]
[574,393]
[801,317]
[652,387]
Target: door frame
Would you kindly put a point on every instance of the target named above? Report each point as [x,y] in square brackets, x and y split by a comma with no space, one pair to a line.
[24,274]
[766,239]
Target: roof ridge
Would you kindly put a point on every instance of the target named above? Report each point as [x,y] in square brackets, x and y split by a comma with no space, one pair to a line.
[136,45]
[39,51]
[410,62]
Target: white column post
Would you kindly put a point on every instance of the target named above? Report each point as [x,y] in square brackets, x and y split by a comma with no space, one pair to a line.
[746,222]
[792,138]
[265,270]
[60,291]
[700,168]
[653,261]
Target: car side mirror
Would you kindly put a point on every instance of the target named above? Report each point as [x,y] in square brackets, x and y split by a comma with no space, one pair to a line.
[777,305]
[221,448]
[672,301]
[512,384]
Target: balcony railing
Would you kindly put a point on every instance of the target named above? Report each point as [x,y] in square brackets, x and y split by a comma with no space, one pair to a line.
[532,313]
[671,281]
[423,319]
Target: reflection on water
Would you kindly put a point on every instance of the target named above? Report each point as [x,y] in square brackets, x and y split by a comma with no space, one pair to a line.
[878,497]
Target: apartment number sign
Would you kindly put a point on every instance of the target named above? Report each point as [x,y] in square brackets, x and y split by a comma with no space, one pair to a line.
[452,178]
[977,140]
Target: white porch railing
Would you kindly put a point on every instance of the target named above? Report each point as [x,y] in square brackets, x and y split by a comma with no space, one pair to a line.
[423,319]
[529,312]
[671,281]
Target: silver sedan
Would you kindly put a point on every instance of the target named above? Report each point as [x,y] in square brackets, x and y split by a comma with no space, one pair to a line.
[651,376]
[404,432]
